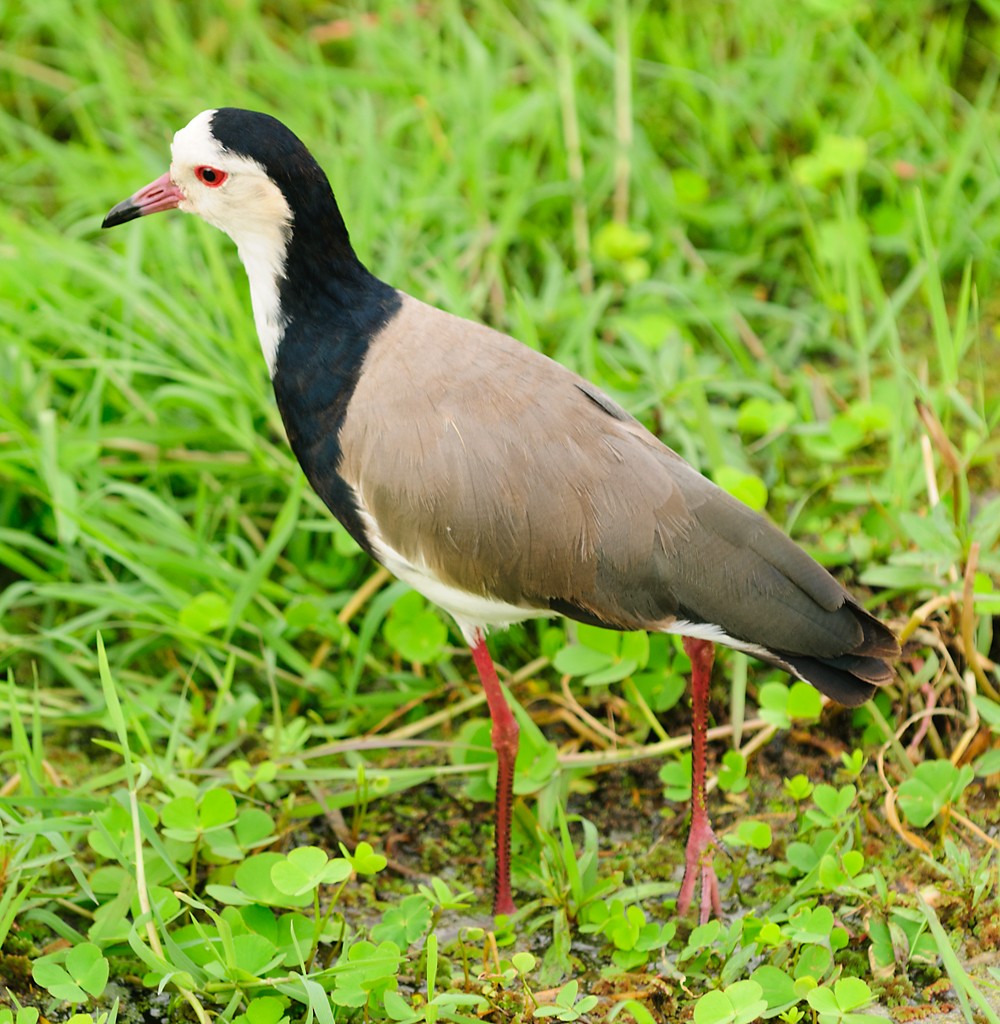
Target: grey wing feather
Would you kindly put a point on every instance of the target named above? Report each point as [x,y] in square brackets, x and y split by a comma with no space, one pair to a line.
[513,478]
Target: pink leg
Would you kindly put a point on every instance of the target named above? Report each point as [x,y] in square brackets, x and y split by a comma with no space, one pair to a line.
[505,738]
[701,839]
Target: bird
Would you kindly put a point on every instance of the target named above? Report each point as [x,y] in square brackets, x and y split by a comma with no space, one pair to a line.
[493,480]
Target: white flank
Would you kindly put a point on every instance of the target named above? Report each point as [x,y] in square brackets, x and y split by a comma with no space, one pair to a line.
[716,634]
[470,611]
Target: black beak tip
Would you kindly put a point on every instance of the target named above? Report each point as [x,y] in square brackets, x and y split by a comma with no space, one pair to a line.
[121,214]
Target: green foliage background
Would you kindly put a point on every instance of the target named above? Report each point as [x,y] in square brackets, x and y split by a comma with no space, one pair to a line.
[770,230]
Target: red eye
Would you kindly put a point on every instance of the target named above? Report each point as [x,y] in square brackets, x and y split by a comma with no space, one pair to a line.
[210,176]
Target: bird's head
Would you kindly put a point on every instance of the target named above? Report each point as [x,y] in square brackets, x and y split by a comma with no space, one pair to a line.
[247,174]
[236,169]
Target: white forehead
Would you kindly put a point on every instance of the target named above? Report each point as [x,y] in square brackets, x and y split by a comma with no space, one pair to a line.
[195,144]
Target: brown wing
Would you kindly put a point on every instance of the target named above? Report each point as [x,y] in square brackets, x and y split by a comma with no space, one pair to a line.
[511,477]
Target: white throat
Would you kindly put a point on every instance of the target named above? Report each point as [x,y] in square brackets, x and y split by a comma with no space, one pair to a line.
[263,259]
[250,208]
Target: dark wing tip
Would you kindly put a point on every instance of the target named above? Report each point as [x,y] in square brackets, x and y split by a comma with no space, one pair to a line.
[852,677]
[840,682]
[879,641]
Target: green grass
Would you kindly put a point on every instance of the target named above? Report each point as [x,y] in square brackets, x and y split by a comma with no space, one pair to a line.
[770,231]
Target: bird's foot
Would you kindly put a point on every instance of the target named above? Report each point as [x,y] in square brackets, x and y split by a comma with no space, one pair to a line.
[701,846]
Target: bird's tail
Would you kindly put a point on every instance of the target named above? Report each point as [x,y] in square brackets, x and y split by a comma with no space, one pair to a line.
[850,678]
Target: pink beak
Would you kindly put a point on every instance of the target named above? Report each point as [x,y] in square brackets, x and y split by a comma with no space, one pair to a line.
[158,195]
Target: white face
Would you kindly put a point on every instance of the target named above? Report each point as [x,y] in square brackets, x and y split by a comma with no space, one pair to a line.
[236,195]
[231,192]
